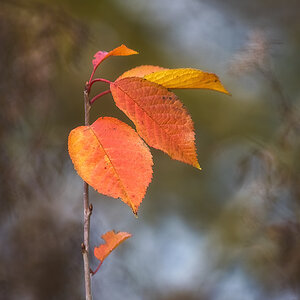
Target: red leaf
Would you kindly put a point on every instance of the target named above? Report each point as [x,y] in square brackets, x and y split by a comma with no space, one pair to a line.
[119,51]
[159,117]
[112,240]
[111,157]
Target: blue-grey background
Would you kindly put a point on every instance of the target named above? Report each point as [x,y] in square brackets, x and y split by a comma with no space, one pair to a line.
[228,232]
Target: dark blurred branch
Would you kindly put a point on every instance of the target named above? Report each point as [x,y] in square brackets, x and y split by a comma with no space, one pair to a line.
[276,85]
[290,121]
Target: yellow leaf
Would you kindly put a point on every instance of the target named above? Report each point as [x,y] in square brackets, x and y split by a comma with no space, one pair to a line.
[187,79]
[141,71]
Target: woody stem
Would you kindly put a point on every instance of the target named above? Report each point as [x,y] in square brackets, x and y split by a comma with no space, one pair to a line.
[87,211]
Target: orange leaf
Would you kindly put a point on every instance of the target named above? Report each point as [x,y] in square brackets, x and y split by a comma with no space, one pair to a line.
[159,117]
[141,71]
[112,240]
[111,157]
[119,51]
[186,79]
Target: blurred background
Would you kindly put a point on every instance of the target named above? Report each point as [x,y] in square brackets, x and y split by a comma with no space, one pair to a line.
[229,232]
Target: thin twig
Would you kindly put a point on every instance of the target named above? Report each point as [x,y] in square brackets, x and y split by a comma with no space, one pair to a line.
[99,95]
[87,211]
[94,272]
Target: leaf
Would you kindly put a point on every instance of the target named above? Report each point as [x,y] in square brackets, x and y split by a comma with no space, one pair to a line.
[159,117]
[111,157]
[112,240]
[119,51]
[177,78]
[141,71]
[186,79]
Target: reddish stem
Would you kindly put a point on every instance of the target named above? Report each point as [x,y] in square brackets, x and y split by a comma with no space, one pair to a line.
[94,272]
[99,95]
[91,82]
[99,79]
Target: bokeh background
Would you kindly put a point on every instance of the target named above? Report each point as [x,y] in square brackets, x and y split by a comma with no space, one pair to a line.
[229,232]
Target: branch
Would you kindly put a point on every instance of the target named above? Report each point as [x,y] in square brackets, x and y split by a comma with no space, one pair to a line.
[87,211]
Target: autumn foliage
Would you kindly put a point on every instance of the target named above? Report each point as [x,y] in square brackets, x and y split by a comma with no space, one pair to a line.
[112,157]
[112,240]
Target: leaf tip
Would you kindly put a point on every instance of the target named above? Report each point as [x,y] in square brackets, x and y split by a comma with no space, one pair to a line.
[135,211]
[128,50]
[225,91]
[197,166]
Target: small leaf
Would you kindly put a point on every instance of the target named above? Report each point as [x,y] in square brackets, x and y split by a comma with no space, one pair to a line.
[141,71]
[119,51]
[159,117]
[186,79]
[112,240]
[111,157]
